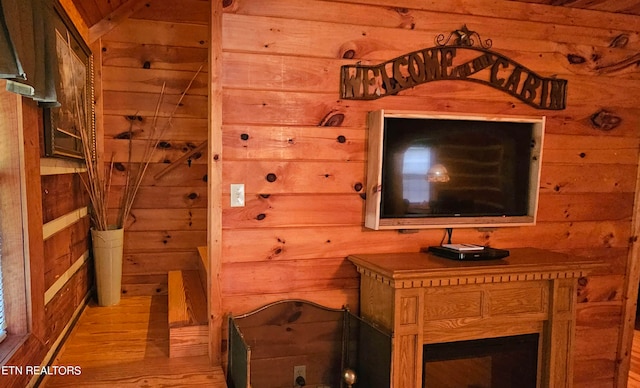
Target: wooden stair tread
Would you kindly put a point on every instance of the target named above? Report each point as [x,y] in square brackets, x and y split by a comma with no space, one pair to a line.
[187,299]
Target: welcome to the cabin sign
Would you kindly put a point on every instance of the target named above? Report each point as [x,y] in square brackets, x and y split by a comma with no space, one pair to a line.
[458,61]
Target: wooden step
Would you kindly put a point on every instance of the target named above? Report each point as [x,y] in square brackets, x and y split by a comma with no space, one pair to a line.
[188,324]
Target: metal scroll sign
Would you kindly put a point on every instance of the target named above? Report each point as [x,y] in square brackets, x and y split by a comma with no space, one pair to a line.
[459,60]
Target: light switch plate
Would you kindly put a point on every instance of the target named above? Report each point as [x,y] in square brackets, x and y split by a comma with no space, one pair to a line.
[237,194]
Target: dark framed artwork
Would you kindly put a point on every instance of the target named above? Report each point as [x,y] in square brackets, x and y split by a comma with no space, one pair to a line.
[74,88]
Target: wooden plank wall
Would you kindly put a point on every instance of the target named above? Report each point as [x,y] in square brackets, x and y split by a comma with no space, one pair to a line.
[57,228]
[68,272]
[163,43]
[300,149]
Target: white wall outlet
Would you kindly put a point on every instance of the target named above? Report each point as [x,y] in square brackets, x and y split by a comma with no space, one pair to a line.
[237,194]
[299,371]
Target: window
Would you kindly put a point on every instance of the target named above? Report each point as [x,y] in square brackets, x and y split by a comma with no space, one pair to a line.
[3,322]
[12,210]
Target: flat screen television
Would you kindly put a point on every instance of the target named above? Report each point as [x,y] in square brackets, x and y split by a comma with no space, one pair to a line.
[430,170]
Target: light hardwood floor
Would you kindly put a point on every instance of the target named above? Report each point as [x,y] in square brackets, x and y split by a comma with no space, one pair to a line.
[128,346]
[634,370]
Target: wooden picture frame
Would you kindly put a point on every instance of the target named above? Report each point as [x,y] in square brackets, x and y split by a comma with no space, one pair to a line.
[74,88]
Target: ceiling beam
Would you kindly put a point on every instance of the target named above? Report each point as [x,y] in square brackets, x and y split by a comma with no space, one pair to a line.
[76,18]
[114,19]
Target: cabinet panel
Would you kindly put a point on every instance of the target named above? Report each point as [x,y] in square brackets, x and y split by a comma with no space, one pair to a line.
[376,302]
[406,348]
[409,310]
[454,305]
[520,299]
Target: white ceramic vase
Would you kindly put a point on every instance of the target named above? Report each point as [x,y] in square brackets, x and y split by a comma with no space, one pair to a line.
[108,247]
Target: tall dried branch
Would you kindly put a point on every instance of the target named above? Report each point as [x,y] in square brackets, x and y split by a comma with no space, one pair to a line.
[134,181]
[98,181]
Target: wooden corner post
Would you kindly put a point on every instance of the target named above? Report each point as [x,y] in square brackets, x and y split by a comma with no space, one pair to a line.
[214,223]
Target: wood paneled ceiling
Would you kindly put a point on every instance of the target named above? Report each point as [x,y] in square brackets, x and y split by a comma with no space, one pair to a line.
[96,11]
[93,11]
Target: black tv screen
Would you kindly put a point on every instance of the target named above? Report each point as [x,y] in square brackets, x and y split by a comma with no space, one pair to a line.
[452,170]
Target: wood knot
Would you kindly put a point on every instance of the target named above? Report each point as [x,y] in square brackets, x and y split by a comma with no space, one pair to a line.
[164,144]
[349,54]
[619,41]
[271,177]
[192,196]
[226,3]
[358,186]
[341,139]
[350,50]
[332,119]
[146,65]
[608,240]
[261,216]
[605,120]
[119,166]
[244,136]
[134,118]
[294,317]
[124,135]
[575,59]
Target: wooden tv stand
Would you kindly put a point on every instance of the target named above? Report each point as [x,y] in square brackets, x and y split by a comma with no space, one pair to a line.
[424,299]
